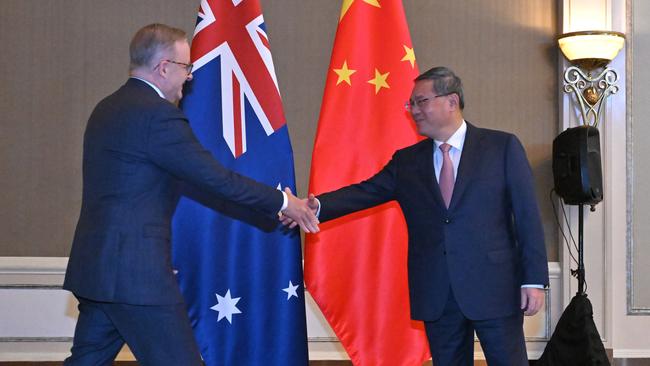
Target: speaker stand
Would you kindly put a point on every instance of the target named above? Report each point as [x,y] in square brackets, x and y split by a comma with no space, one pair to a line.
[581,261]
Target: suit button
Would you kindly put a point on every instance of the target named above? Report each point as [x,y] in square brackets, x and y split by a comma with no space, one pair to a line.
[444,252]
[447,221]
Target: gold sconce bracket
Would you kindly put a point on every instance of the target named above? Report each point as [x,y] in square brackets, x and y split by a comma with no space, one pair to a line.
[590,92]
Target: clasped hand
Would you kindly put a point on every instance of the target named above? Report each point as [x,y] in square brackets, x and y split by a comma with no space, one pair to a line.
[300,212]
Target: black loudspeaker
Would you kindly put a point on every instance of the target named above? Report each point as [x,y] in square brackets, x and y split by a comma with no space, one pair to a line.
[577,173]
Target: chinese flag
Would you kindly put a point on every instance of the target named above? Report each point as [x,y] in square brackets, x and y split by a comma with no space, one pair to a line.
[355,268]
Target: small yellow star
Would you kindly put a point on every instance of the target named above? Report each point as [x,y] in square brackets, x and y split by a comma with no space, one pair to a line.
[374,3]
[344,73]
[409,56]
[379,81]
[348,3]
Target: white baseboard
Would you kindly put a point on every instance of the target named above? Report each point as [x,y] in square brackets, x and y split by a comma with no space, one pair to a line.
[38,317]
[23,351]
[632,353]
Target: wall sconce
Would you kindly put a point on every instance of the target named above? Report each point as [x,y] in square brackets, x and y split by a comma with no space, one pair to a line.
[590,52]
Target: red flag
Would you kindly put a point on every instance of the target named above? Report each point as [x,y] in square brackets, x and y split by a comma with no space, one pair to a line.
[355,268]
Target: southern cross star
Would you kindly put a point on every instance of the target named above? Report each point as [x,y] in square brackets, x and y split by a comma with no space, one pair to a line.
[291,290]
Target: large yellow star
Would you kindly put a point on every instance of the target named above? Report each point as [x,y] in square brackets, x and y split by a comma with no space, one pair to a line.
[379,81]
[344,73]
[409,56]
[348,3]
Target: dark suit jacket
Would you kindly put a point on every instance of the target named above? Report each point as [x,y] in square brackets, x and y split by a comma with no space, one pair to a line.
[136,146]
[485,246]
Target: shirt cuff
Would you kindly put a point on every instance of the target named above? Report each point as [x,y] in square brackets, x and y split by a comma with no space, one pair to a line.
[533,286]
[317,211]
[285,201]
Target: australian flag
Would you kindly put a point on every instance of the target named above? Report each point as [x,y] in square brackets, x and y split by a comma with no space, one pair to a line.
[240,272]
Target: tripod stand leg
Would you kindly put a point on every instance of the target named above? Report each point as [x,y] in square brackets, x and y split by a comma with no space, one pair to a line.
[581,261]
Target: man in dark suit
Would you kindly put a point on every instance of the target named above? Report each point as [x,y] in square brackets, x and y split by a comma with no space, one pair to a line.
[137,144]
[476,254]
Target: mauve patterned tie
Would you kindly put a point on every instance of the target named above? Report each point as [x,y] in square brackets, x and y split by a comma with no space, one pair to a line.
[446,174]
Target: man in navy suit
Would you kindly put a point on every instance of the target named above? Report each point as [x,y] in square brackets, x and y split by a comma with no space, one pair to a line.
[476,254]
[137,145]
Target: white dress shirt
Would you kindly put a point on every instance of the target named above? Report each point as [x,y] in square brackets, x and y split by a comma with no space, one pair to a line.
[457,140]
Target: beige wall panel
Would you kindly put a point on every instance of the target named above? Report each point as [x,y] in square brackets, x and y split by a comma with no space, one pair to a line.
[60,58]
[64,56]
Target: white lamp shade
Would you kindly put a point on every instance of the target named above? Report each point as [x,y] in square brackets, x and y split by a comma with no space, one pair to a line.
[599,45]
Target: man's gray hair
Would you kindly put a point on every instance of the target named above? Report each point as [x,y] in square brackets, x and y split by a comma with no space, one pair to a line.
[150,41]
[445,82]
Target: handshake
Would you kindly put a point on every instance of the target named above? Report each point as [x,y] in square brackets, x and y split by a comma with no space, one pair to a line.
[300,212]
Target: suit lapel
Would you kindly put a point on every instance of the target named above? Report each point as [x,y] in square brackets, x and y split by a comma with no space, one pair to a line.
[427,174]
[469,161]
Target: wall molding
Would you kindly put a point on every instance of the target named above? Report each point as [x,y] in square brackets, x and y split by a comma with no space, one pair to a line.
[632,307]
[43,315]
[631,353]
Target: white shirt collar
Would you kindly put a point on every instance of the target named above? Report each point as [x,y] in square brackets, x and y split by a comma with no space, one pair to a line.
[151,85]
[457,140]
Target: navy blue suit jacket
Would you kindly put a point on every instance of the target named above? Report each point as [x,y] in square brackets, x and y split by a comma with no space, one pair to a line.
[136,146]
[485,246]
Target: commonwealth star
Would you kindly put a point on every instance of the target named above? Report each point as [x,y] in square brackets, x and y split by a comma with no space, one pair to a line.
[226,306]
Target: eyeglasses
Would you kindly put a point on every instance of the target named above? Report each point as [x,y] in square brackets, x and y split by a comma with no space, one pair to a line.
[188,67]
[421,102]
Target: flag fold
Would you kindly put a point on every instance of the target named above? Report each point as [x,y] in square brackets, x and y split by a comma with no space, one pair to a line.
[355,268]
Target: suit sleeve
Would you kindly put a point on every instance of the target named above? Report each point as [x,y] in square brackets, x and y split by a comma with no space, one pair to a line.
[374,191]
[173,146]
[527,220]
